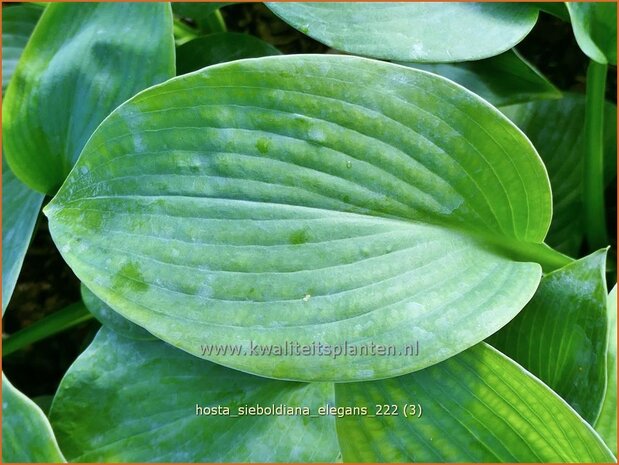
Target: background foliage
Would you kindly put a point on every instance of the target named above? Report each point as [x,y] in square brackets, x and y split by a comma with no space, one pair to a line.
[539,86]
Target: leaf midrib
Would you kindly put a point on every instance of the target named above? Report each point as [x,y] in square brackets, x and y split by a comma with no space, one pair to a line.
[504,246]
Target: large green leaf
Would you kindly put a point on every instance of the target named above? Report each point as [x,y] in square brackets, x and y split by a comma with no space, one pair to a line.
[502,80]
[20,209]
[17,25]
[131,401]
[26,434]
[560,336]
[111,319]
[606,423]
[557,131]
[595,28]
[421,32]
[219,48]
[305,200]
[478,406]
[82,61]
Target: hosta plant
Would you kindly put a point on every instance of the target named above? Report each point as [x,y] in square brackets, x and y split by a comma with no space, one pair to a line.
[399,250]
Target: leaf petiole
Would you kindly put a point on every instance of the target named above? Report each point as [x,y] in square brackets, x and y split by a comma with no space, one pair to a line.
[593,189]
[51,325]
[215,22]
[182,32]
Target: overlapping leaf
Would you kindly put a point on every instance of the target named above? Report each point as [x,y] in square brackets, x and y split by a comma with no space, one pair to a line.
[595,28]
[136,401]
[220,48]
[560,336]
[20,205]
[606,423]
[26,434]
[17,25]
[111,319]
[305,200]
[421,32]
[478,406]
[556,129]
[82,61]
[502,80]
[20,209]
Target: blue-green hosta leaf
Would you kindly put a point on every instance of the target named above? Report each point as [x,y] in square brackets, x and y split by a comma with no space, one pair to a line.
[219,48]
[20,205]
[420,32]
[557,131]
[26,434]
[595,28]
[502,80]
[82,61]
[17,25]
[560,336]
[606,423]
[111,319]
[309,199]
[135,401]
[478,406]
[20,209]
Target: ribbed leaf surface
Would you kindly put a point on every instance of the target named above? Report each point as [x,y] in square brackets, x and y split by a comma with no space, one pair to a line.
[560,336]
[478,406]
[309,199]
[111,319]
[556,129]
